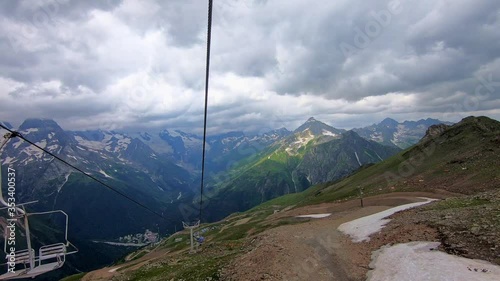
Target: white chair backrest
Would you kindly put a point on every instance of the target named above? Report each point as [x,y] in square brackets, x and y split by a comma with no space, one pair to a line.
[52,251]
[24,256]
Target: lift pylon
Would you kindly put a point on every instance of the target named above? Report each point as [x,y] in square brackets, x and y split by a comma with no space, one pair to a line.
[191,227]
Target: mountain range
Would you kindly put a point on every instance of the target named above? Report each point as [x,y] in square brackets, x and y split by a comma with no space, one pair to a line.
[402,135]
[162,170]
[314,153]
[166,165]
[455,163]
[116,159]
[457,158]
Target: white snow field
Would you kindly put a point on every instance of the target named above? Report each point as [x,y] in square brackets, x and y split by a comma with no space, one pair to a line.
[315,216]
[420,261]
[361,229]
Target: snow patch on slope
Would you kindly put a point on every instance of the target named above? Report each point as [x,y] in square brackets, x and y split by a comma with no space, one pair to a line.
[123,144]
[377,137]
[66,177]
[104,173]
[399,134]
[301,140]
[357,157]
[8,160]
[361,229]
[53,147]
[95,145]
[107,137]
[420,261]
[315,216]
[28,131]
[328,133]
[17,144]
[35,152]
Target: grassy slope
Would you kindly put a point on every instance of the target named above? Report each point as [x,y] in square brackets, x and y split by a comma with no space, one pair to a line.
[460,160]
[275,172]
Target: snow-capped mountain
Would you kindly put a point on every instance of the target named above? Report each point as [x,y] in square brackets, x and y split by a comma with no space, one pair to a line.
[185,149]
[228,149]
[314,153]
[312,129]
[159,169]
[318,128]
[123,162]
[162,167]
[402,135]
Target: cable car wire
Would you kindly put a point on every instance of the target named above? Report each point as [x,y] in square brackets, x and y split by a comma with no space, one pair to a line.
[207,75]
[17,134]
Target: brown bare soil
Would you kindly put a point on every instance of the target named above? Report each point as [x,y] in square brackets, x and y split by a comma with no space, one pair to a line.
[316,250]
[313,249]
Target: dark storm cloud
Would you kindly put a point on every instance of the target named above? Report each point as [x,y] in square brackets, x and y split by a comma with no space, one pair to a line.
[448,42]
[184,21]
[274,63]
[38,12]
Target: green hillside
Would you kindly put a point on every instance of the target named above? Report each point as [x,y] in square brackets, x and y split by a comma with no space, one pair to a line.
[458,158]
[458,161]
[292,166]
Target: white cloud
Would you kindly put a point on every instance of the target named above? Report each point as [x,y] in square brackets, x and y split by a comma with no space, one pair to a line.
[275,63]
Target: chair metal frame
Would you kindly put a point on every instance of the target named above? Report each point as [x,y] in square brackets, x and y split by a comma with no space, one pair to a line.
[33,265]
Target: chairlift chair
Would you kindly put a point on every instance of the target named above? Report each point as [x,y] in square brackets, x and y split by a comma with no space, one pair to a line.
[49,258]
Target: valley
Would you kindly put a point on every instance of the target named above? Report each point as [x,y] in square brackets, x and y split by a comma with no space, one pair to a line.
[235,140]
[313,170]
[452,163]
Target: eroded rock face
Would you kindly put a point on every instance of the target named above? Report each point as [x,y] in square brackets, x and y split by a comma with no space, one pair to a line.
[434,131]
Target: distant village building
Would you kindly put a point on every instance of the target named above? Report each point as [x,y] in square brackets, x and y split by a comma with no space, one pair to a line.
[150,237]
[140,238]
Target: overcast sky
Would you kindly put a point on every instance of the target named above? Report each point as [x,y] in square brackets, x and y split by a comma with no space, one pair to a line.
[350,63]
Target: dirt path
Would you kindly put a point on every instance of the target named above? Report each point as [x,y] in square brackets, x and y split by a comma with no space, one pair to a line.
[315,250]
[310,250]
